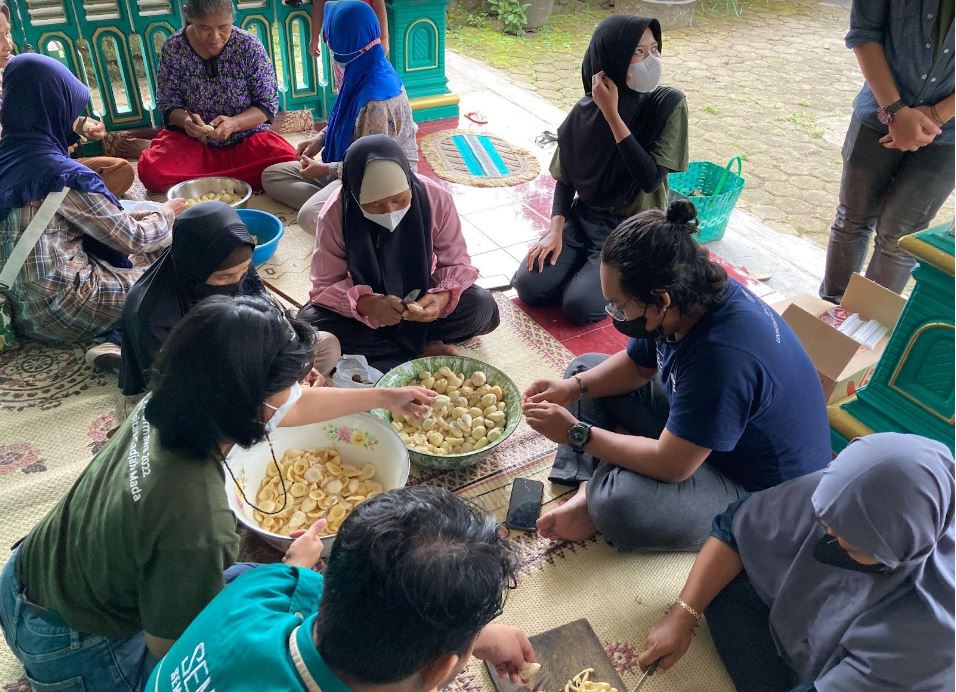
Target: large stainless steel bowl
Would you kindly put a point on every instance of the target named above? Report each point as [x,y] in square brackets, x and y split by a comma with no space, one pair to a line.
[197,187]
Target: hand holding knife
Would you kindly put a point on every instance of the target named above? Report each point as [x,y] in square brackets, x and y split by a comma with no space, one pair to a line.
[647,674]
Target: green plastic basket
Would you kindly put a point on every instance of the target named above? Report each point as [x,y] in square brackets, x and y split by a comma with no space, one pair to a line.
[713,190]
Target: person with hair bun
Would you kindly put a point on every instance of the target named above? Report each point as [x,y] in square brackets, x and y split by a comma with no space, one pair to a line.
[615,150]
[714,393]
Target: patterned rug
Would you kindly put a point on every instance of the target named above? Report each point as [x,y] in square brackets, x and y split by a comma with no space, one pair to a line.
[471,157]
[56,414]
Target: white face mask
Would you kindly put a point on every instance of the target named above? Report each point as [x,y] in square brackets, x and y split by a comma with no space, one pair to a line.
[295,393]
[389,220]
[645,76]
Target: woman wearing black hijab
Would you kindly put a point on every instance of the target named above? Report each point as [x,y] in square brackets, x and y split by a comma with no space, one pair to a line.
[614,152]
[211,254]
[391,275]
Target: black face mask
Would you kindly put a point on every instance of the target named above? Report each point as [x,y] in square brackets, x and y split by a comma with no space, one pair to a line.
[829,552]
[637,328]
[205,290]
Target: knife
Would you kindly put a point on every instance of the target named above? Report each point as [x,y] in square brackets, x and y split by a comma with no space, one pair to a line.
[647,673]
[411,297]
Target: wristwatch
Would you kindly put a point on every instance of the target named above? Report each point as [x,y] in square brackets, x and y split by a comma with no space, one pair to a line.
[887,113]
[578,436]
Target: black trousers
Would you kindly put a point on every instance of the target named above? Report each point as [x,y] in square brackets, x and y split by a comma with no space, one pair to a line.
[475,314]
[574,281]
[739,622]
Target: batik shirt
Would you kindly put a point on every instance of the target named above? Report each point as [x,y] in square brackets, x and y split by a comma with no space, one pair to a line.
[239,78]
[62,294]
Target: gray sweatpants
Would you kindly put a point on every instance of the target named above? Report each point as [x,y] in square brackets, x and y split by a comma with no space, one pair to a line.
[893,193]
[285,183]
[632,511]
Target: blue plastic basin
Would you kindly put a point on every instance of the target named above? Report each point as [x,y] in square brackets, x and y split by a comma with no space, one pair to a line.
[268,230]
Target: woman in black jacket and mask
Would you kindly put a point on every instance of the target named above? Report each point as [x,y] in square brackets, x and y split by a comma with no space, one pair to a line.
[614,152]
[211,254]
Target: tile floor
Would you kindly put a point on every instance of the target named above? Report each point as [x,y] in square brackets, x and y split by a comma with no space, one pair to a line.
[499,224]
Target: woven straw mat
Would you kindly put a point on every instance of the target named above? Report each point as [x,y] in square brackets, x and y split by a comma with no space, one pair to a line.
[56,414]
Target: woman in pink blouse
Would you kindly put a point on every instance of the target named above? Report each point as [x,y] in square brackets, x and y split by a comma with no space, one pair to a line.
[384,235]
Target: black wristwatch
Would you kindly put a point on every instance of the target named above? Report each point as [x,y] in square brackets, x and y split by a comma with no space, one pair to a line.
[578,436]
[886,114]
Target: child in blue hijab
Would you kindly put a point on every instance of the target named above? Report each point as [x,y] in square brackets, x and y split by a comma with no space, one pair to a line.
[839,580]
[371,101]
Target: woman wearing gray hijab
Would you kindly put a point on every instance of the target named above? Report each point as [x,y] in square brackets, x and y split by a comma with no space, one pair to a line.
[842,580]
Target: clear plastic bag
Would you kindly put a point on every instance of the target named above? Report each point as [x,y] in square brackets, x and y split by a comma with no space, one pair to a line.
[355,372]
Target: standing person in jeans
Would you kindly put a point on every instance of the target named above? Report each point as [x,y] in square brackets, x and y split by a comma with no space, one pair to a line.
[715,395]
[898,153]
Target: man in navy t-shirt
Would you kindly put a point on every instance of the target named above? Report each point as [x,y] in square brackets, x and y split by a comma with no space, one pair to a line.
[713,398]
[741,384]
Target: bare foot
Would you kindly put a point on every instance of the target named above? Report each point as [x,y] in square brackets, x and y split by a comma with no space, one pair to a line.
[439,348]
[571,521]
[132,147]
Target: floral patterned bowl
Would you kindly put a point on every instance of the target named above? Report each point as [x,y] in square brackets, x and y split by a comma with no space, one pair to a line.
[360,439]
[407,373]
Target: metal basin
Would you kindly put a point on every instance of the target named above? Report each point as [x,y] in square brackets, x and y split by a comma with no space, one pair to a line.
[197,187]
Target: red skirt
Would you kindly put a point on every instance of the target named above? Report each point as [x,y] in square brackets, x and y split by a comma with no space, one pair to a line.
[173,157]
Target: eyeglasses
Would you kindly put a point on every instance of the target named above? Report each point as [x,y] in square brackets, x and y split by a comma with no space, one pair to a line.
[617,311]
[283,318]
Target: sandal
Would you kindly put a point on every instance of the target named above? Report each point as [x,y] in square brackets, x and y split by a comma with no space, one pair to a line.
[476,117]
[545,138]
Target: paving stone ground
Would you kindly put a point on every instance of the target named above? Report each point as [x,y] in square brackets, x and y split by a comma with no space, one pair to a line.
[775,86]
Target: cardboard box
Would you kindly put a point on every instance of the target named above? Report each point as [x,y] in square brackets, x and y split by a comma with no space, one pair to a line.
[843,364]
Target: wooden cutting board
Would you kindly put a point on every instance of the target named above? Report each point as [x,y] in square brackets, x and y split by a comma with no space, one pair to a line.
[563,653]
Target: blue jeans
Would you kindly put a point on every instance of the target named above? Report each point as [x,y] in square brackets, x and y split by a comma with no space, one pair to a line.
[57,658]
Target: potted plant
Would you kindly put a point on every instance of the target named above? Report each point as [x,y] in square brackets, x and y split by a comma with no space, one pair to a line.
[539,12]
[673,14]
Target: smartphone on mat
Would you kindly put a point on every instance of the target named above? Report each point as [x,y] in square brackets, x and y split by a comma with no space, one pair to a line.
[525,504]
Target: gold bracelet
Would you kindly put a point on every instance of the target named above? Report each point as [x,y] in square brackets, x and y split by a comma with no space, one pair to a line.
[689,609]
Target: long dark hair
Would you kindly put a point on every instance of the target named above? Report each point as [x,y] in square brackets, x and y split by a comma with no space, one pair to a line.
[655,250]
[226,356]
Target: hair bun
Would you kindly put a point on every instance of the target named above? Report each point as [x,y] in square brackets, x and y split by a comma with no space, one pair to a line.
[683,212]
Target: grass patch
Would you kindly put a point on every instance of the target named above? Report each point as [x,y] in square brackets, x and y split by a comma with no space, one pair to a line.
[712,109]
[480,36]
[807,123]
